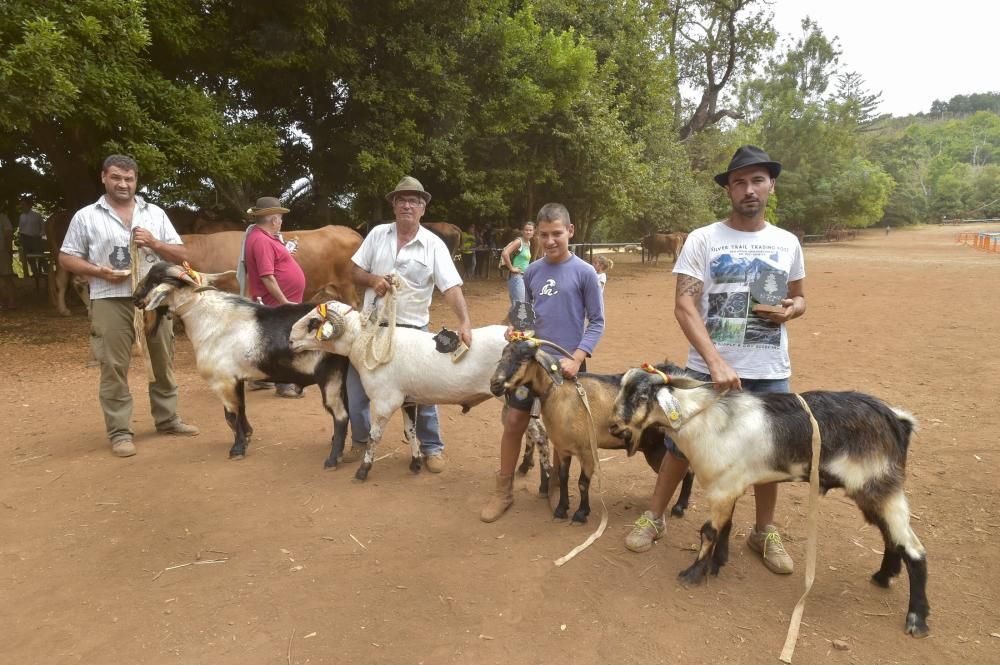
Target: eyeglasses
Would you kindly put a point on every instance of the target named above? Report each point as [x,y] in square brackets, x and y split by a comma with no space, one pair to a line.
[412,201]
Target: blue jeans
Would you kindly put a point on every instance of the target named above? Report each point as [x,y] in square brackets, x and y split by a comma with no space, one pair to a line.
[428,427]
[515,288]
[749,385]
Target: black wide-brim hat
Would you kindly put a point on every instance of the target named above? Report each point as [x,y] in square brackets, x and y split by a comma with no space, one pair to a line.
[748,155]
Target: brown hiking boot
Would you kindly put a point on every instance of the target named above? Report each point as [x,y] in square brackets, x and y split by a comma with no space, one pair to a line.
[434,463]
[767,543]
[123,448]
[179,428]
[500,500]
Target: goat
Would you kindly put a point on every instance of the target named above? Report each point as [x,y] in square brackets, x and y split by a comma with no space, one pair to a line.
[415,374]
[738,439]
[236,340]
[569,427]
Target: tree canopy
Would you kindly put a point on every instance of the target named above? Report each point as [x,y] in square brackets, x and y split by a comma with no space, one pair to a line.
[623,111]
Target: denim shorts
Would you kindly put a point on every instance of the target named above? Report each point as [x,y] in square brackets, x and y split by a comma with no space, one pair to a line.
[749,385]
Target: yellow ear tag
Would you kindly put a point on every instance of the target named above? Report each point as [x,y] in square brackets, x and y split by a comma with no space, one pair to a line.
[553,367]
[674,415]
[322,330]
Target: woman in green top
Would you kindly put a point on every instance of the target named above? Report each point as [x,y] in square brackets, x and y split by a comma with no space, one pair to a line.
[516,256]
[469,241]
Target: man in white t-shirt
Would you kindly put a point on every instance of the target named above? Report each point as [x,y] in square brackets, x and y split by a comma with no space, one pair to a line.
[732,345]
[422,260]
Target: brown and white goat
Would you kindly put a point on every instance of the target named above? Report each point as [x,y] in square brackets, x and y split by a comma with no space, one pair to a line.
[738,439]
[569,428]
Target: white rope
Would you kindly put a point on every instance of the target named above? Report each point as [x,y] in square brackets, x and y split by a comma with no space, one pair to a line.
[378,341]
[600,491]
[793,626]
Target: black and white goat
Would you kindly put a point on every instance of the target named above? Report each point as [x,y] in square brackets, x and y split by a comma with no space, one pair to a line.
[567,422]
[416,373]
[236,340]
[738,439]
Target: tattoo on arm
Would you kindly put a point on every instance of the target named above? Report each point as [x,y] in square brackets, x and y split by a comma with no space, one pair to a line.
[689,286]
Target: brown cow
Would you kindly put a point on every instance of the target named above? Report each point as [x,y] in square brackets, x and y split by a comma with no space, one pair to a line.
[55,231]
[205,220]
[324,255]
[663,243]
[451,234]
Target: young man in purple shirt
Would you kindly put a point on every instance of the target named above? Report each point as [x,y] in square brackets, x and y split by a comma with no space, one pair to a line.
[566,296]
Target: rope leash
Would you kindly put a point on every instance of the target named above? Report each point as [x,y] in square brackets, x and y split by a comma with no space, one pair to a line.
[793,626]
[600,491]
[138,320]
[378,342]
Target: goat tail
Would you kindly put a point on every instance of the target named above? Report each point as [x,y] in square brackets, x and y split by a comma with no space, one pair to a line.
[907,417]
[906,425]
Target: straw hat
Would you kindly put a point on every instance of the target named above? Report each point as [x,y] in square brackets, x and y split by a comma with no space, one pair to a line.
[409,185]
[266,205]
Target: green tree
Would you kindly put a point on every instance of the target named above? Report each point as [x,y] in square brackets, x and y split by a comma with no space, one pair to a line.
[815,132]
[79,81]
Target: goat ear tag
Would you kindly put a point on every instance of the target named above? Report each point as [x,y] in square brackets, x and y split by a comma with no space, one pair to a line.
[156,296]
[669,405]
[325,331]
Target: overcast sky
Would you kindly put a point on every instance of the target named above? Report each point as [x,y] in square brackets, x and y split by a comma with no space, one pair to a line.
[914,52]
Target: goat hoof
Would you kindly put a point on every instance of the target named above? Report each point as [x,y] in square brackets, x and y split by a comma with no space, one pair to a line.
[330,464]
[415,464]
[916,625]
[881,579]
[691,576]
[579,518]
[237,454]
[678,510]
[560,513]
[362,472]
[525,467]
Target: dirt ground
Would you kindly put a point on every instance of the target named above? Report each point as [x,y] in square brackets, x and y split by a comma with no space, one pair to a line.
[178,555]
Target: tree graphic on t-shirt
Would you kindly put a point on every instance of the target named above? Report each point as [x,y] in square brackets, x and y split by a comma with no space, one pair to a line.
[770,284]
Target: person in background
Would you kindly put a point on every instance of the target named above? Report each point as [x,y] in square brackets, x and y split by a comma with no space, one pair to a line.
[470,239]
[7,291]
[515,257]
[602,264]
[30,229]
[99,245]
[273,276]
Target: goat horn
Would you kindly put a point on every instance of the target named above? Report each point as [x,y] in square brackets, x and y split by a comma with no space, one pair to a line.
[333,324]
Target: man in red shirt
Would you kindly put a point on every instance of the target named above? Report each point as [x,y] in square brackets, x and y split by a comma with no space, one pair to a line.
[273,276]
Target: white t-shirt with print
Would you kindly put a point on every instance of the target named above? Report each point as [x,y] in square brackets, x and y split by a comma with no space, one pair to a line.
[727,261]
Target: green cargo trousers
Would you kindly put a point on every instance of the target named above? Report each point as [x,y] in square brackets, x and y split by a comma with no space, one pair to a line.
[111,337]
